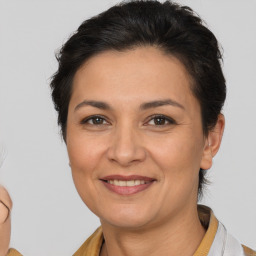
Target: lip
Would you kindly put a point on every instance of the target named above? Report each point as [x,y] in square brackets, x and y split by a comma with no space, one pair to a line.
[127,190]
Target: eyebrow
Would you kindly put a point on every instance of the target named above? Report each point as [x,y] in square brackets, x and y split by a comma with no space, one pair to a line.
[93,103]
[159,103]
[143,106]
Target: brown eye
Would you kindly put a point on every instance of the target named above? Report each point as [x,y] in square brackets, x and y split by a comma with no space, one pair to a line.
[97,120]
[160,120]
[94,120]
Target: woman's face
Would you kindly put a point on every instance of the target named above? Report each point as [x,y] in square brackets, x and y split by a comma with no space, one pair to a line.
[133,119]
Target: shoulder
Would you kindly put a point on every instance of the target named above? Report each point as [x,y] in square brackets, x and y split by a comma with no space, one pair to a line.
[248,251]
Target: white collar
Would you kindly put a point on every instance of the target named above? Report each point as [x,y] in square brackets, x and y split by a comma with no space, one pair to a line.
[225,244]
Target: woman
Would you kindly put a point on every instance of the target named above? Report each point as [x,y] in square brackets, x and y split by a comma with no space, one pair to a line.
[139,93]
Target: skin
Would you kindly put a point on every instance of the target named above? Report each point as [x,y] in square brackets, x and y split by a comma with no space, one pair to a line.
[5,221]
[127,141]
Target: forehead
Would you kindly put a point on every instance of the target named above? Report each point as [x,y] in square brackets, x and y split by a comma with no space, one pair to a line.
[139,74]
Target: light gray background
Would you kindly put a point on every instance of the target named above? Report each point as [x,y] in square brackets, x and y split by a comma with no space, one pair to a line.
[48,216]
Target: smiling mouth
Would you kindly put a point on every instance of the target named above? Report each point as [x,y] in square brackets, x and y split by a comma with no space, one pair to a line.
[127,185]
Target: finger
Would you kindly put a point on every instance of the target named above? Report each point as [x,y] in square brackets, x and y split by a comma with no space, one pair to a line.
[4,212]
[5,220]
[5,197]
[5,234]
[5,204]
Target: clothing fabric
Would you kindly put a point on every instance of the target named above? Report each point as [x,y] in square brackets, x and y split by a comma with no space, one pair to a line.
[13,252]
[216,242]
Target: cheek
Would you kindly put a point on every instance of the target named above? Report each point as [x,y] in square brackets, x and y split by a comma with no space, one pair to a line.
[84,155]
[177,152]
[84,152]
[179,164]
[178,157]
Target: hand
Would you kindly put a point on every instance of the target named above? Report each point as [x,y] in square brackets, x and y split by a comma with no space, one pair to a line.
[5,220]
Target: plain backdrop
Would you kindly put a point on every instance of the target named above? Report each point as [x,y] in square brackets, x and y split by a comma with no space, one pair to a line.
[48,216]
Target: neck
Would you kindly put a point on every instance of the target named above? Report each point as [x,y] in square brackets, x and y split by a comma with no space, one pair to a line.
[179,235]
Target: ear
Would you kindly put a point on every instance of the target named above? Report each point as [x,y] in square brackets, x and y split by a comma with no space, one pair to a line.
[212,143]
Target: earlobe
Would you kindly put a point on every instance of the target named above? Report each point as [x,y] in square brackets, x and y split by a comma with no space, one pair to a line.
[212,143]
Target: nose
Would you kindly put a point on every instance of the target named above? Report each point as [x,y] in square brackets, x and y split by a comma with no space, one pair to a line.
[126,146]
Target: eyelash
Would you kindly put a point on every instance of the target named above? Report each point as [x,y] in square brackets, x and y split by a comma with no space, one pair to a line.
[157,116]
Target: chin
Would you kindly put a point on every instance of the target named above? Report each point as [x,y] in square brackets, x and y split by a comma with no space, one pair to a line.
[127,218]
[127,223]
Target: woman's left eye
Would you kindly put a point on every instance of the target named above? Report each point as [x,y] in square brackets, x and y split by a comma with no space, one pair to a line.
[160,120]
[94,120]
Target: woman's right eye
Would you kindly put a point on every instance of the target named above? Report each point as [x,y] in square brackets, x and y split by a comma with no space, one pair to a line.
[94,120]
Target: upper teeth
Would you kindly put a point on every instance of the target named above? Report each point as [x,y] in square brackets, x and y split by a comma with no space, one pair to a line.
[128,183]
